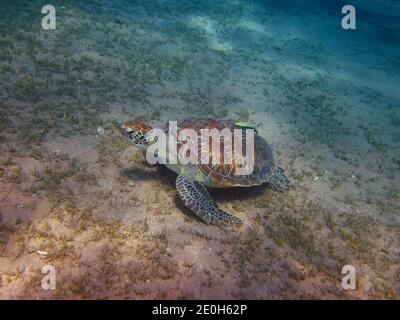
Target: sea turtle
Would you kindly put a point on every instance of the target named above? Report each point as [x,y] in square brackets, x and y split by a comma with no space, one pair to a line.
[193,178]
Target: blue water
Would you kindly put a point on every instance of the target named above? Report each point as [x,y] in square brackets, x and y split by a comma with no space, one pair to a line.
[326,99]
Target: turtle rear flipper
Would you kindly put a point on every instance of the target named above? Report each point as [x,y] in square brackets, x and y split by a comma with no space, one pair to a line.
[198,200]
[279,181]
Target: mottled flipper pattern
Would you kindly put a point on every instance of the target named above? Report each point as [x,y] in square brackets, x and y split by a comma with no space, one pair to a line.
[196,198]
[279,181]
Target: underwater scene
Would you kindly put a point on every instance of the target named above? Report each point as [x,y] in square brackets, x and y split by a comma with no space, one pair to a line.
[84,215]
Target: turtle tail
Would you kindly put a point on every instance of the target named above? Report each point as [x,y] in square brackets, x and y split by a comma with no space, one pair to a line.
[279,181]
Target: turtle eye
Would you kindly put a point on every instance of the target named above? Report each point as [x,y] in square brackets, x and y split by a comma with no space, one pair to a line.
[130,133]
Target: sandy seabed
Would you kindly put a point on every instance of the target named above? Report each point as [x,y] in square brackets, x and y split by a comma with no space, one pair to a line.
[82,200]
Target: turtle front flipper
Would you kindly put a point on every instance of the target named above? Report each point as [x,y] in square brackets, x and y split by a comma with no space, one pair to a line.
[196,197]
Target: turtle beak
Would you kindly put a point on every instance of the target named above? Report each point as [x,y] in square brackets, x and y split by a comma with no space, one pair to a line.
[122,129]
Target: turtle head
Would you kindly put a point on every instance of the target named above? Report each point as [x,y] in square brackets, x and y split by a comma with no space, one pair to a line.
[138,134]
